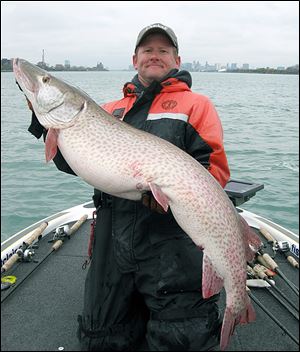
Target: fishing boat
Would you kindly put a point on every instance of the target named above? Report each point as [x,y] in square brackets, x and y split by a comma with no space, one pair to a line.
[43,269]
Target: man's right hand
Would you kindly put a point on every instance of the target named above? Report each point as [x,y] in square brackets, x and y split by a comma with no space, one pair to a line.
[29,104]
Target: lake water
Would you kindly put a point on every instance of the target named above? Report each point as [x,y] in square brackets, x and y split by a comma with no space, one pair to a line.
[260,117]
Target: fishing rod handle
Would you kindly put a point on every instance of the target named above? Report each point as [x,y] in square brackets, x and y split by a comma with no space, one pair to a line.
[266,270]
[76,226]
[259,271]
[15,257]
[292,261]
[57,244]
[271,264]
[10,262]
[266,234]
[261,260]
[37,232]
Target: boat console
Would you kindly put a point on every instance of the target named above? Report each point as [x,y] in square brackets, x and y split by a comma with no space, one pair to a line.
[240,192]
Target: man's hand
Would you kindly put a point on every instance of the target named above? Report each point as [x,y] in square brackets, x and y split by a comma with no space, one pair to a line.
[29,104]
[150,202]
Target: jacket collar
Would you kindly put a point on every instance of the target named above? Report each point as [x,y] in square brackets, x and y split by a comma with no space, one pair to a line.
[175,80]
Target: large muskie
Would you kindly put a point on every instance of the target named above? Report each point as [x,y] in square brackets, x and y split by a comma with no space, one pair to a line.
[123,161]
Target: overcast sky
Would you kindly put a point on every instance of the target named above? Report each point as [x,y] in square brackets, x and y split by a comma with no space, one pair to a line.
[261,33]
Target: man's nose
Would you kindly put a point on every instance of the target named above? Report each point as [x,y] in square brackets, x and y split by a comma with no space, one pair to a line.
[154,56]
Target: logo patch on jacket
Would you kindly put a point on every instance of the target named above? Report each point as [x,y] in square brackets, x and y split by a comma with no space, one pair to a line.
[169,104]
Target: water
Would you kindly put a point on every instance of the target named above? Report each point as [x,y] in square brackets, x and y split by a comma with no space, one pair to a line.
[260,117]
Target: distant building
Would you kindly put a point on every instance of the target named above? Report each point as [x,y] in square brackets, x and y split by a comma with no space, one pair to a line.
[233,66]
[99,66]
[196,66]
[280,68]
[42,65]
[6,64]
[67,64]
[59,67]
[245,66]
[187,66]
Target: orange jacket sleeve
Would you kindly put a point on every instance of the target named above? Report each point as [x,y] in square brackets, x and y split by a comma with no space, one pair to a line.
[205,120]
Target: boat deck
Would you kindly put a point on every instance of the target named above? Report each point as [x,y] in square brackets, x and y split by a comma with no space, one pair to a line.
[40,313]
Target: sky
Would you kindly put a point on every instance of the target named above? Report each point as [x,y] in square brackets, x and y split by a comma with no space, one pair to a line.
[260,33]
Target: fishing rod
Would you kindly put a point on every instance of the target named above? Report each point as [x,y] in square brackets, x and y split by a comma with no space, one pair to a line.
[266,260]
[282,246]
[261,272]
[257,301]
[58,239]
[25,252]
[259,283]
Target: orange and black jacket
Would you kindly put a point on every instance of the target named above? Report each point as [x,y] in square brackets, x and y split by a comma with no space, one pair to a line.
[172,111]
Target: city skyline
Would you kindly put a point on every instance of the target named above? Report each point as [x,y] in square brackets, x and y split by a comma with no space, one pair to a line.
[194,66]
[258,33]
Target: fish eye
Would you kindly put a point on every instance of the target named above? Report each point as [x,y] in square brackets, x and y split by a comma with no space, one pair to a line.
[46,79]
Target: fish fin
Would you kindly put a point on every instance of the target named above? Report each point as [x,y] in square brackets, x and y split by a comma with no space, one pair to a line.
[159,196]
[252,240]
[212,283]
[51,144]
[230,320]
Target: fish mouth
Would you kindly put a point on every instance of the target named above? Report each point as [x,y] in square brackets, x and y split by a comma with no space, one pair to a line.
[23,80]
[16,69]
[16,63]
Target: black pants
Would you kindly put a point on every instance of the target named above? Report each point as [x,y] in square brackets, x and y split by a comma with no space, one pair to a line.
[158,307]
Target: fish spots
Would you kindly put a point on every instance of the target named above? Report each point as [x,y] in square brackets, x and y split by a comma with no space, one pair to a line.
[139,186]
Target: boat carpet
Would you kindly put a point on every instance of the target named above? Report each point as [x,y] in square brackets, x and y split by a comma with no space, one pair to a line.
[40,313]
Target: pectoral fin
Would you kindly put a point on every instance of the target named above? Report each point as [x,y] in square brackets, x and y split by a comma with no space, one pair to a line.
[51,144]
[159,196]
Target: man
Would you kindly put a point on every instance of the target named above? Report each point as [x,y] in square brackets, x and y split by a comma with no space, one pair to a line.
[143,287]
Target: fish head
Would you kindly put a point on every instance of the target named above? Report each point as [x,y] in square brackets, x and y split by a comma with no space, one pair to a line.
[56,103]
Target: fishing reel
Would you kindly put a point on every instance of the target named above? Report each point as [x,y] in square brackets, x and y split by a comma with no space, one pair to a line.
[281,246]
[60,233]
[26,253]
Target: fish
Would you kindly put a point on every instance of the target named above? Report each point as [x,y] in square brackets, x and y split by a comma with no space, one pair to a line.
[123,161]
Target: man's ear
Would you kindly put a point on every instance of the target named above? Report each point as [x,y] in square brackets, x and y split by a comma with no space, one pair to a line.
[134,61]
[178,61]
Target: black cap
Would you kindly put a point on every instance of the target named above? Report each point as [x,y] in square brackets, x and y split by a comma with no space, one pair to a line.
[157,28]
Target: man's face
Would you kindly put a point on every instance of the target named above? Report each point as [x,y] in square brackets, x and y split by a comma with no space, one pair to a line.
[155,57]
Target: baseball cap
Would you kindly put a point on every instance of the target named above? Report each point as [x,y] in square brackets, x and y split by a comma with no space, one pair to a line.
[157,28]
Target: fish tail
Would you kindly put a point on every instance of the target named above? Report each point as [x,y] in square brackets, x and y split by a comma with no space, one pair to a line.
[231,320]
